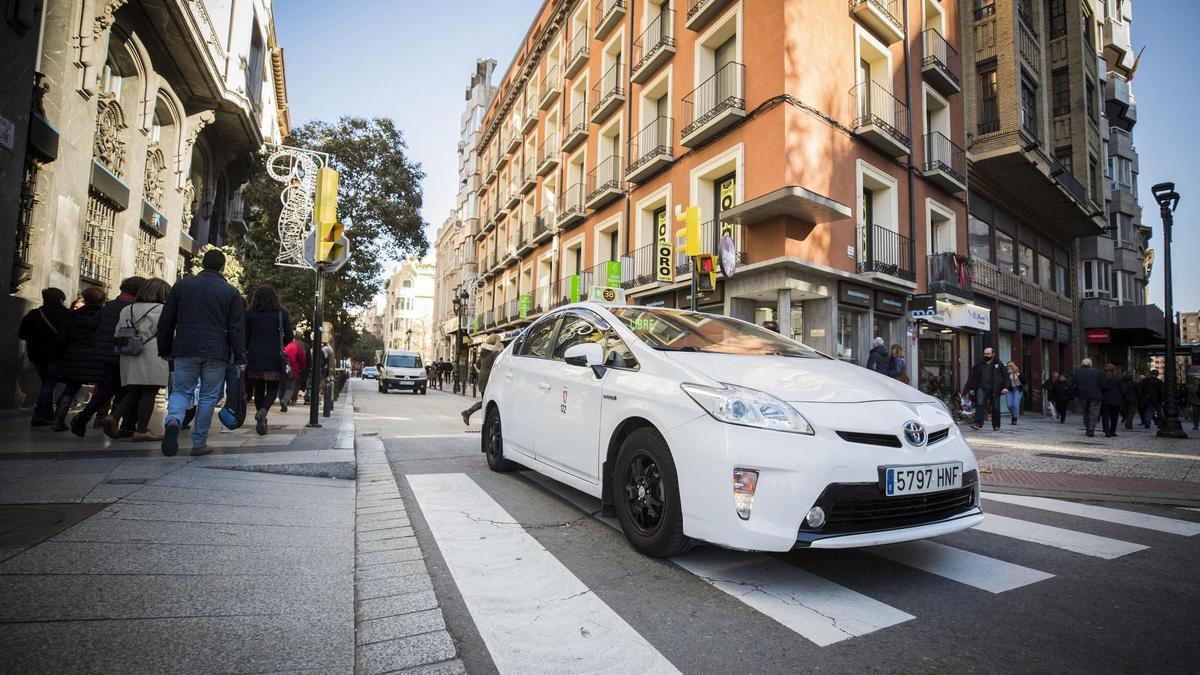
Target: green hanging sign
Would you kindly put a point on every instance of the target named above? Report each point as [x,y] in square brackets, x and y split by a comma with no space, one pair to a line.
[573,287]
[613,274]
[524,304]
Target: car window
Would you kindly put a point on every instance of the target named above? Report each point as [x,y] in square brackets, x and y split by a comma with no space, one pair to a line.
[404,361]
[538,337]
[680,330]
[584,328]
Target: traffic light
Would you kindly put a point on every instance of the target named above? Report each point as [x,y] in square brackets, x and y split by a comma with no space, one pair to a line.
[325,200]
[690,217]
[706,273]
[330,242]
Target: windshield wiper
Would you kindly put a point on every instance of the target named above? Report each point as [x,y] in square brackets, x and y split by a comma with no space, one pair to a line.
[689,348]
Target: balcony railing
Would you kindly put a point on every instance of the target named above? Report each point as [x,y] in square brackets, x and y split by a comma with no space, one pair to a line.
[549,86]
[1065,178]
[723,90]
[514,309]
[942,154]
[545,222]
[1027,45]
[543,298]
[570,206]
[875,105]
[608,93]
[637,268]
[608,14]
[883,16]
[939,55]
[710,236]
[886,252]
[489,318]
[950,273]
[1004,284]
[576,127]
[605,182]
[577,51]
[654,142]
[657,38]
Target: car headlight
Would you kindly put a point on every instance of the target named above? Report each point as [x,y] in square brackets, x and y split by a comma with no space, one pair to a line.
[747,407]
[945,407]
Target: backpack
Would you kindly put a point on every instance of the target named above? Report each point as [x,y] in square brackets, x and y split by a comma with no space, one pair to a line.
[128,342]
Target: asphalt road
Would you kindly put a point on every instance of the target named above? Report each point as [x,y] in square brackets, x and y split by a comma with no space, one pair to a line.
[532,580]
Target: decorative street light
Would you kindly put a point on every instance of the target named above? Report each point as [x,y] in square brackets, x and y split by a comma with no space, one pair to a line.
[1168,199]
[408,339]
[459,299]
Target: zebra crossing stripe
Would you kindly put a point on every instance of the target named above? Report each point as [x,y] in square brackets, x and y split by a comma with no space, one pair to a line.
[965,567]
[812,606]
[1047,535]
[533,614]
[1144,521]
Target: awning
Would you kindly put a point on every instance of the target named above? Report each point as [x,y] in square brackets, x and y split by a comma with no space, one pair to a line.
[450,326]
[793,201]
[965,316]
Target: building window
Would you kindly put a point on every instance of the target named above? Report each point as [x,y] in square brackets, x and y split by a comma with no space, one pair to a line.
[979,235]
[1045,277]
[1029,120]
[1089,30]
[1062,154]
[1097,279]
[984,9]
[1058,18]
[95,258]
[1060,86]
[1060,281]
[989,110]
[147,259]
[1092,108]
[1127,286]
[25,208]
[255,67]
[1005,253]
[1094,179]
[1025,263]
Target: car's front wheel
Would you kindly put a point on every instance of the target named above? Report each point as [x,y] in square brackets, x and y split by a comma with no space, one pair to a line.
[493,444]
[646,493]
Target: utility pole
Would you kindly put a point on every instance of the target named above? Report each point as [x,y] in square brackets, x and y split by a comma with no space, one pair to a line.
[314,359]
[1168,199]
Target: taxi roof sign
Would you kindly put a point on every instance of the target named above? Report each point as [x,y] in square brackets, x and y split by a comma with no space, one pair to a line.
[607,295]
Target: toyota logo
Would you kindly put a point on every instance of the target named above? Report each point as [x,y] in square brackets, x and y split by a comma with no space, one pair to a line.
[914,433]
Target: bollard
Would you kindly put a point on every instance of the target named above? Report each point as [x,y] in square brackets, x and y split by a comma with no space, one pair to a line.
[328,399]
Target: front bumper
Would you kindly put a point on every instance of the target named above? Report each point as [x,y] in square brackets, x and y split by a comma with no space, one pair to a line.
[400,384]
[795,472]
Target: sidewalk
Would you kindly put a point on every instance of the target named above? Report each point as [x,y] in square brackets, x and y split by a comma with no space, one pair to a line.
[1040,455]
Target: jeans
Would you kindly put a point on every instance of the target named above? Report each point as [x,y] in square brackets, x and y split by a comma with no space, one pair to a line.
[48,373]
[1091,413]
[1152,412]
[1110,412]
[190,371]
[1013,399]
[985,400]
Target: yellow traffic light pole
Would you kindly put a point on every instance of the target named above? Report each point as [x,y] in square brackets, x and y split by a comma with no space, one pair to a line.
[329,233]
[690,233]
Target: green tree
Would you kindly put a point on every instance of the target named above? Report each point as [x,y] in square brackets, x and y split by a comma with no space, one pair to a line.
[366,346]
[379,202]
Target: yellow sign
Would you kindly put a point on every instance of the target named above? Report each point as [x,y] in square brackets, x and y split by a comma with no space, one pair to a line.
[330,243]
[690,232]
[664,268]
[727,191]
[325,200]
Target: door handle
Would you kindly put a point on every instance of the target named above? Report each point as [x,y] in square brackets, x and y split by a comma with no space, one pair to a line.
[544,386]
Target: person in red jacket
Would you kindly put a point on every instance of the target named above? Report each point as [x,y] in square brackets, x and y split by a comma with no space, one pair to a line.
[298,361]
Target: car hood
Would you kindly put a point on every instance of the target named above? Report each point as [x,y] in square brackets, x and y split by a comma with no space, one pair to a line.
[800,380]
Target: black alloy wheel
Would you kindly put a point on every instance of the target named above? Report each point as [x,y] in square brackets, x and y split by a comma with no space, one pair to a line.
[493,444]
[645,489]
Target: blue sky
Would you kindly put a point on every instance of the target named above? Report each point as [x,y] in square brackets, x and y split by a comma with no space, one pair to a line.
[410,60]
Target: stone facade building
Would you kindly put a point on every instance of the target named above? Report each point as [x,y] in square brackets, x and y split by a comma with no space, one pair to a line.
[408,308]
[142,119]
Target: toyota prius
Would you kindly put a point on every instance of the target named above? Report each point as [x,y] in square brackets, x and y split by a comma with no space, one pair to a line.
[700,427]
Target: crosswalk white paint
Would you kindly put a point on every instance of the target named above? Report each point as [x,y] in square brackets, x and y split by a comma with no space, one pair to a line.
[965,567]
[816,608]
[533,614]
[1069,540]
[1144,521]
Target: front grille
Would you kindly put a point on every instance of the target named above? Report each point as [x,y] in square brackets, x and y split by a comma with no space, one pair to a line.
[938,436]
[886,440]
[862,507]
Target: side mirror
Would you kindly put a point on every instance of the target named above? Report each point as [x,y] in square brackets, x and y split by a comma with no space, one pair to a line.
[587,354]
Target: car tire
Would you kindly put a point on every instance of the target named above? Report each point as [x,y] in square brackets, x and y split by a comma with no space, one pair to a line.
[493,444]
[646,494]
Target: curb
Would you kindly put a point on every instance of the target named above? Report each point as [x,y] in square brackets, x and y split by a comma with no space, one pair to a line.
[1151,498]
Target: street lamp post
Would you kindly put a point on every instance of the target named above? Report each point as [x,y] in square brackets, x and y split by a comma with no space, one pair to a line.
[408,339]
[460,304]
[1168,199]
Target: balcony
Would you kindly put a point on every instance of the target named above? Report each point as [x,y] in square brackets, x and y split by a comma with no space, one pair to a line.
[548,154]
[950,274]
[492,263]
[511,255]
[577,52]
[529,176]
[513,140]
[608,14]
[654,47]
[1119,104]
[544,224]
[882,119]
[945,163]
[502,214]
[543,299]
[489,319]
[651,150]
[514,310]
[491,174]
[530,118]
[637,268]
[715,105]
[502,158]
[940,63]
[608,94]
[527,229]
[604,183]
[571,211]
[551,87]
[882,17]
[885,252]
[700,12]
[514,189]
[1118,51]
[576,130]
[999,283]
[1029,49]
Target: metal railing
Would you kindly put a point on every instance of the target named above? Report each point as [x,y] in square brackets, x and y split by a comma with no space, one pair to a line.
[658,34]
[950,273]
[874,104]
[654,140]
[984,11]
[1028,47]
[489,318]
[937,52]
[608,87]
[710,236]
[605,176]
[1005,284]
[943,154]
[514,309]
[550,82]
[548,149]
[543,296]
[1065,178]
[570,202]
[577,121]
[723,90]
[604,8]
[545,221]
[637,268]
[886,252]
[890,9]
[578,46]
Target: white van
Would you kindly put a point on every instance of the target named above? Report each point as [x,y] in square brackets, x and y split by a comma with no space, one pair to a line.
[402,370]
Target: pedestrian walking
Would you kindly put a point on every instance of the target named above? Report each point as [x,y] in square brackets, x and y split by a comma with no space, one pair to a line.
[1110,407]
[1193,401]
[487,355]
[1061,391]
[897,366]
[201,330]
[43,330]
[1150,396]
[1017,384]
[80,364]
[108,391]
[297,362]
[1129,399]
[143,372]
[1048,395]
[1085,383]
[302,380]
[878,358]
[987,384]
[268,331]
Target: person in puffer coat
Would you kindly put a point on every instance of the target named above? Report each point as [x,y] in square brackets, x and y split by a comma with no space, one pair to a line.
[108,391]
[80,363]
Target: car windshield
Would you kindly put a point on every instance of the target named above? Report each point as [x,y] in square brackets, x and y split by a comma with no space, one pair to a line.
[404,361]
[680,330]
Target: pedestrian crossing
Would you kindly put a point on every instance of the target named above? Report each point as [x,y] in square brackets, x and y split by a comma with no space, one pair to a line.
[531,609]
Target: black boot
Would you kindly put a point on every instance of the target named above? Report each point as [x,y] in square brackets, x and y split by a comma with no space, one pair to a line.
[60,413]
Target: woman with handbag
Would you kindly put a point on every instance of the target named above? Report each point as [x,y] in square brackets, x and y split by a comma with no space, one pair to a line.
[268,330]
[143,373]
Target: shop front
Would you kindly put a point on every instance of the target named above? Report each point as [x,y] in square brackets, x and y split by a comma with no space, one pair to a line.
[948,334]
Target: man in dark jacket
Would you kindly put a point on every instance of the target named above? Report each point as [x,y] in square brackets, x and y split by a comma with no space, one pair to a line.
[1085,382]
[80,364]
[986,383]
[44,331]
[878,359]
[488,351]
[201,328]
[1129,399]
[1110,410]
[103,341]
[1150,395]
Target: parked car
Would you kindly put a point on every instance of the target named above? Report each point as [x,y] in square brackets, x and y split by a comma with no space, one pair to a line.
[370,373]
[403,370]
[701,427]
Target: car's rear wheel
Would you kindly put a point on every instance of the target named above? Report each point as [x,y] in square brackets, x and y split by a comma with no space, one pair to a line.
[493,444]
[646,493]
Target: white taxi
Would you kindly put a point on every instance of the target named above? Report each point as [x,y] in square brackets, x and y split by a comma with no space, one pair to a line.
[701,427]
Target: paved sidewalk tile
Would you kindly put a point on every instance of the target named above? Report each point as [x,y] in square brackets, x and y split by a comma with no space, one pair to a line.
[382,657]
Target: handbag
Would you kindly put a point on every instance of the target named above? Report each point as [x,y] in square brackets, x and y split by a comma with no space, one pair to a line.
[285,366]
[233,413]
[128,342]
